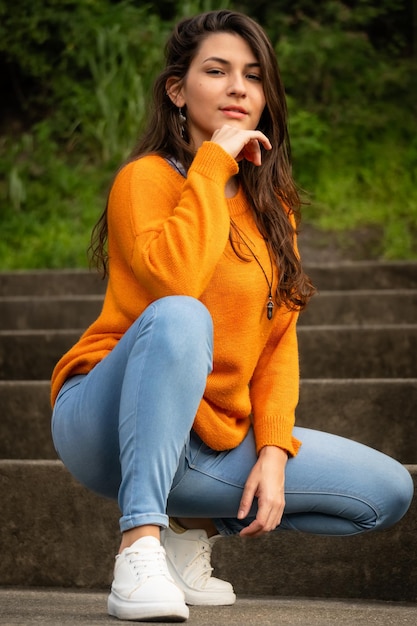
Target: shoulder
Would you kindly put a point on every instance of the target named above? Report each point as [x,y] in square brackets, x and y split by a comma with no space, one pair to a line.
[142,188]
[149,176]
[151,166]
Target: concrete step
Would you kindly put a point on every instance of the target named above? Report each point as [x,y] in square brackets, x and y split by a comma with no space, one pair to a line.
[364,275]
[25,425]
[49,312]
[53,532]
[385,351]
[384,306]
[379,413]
[52,607]
[326,276]
[328,307]
[51,283]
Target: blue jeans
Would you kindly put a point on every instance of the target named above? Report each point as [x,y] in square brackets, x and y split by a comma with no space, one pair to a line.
[125,431]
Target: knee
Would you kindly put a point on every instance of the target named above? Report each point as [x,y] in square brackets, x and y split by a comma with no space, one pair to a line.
[184,313]
[399,494]
[184,325]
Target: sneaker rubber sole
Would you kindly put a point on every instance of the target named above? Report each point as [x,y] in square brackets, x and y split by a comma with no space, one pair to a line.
[146,611]
[205,597]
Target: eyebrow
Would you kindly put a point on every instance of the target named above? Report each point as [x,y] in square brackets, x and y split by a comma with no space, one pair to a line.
[225,62]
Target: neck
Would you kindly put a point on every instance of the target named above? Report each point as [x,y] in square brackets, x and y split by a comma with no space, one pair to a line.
[232,187]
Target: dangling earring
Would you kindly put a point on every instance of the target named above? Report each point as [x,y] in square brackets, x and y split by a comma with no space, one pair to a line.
[182,119]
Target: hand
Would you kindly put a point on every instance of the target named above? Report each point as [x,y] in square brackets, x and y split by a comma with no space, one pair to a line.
[266,482]
[242,144]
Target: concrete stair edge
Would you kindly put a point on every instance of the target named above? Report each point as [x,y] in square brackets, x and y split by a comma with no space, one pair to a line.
[328,307]
[349,274]
[42,503]
[376,412]
[386,351]
[369,566]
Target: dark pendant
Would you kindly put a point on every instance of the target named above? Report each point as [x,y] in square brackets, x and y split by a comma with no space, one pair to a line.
[269,308]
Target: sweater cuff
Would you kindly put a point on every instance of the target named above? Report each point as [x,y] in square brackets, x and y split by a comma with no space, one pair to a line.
[213,162]
[275,431]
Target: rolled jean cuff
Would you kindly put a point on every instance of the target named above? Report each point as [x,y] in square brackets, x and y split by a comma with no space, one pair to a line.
[127,522]
[231,526]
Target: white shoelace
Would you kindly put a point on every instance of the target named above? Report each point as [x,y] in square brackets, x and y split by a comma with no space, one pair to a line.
[201,563]
[148,563]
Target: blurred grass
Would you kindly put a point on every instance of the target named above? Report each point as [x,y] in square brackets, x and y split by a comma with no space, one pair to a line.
[353,130]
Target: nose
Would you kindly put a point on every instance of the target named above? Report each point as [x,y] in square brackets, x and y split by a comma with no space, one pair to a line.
[237,86]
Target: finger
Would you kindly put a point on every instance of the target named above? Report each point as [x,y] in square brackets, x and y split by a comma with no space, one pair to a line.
[268,518]
[252,152]
[234,141]
[258,528]
[246,501]
[262,139]
[259,524]
[255,529]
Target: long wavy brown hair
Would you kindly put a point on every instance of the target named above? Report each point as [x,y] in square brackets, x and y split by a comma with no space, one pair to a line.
[269,188]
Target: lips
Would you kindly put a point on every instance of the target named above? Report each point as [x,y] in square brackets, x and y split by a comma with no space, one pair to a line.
[235,109]
[234,112]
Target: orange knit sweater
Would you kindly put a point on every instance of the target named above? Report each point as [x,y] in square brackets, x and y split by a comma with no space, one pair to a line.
[170,236]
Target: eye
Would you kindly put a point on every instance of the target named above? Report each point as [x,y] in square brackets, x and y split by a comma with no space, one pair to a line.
[215,72]
[255,77]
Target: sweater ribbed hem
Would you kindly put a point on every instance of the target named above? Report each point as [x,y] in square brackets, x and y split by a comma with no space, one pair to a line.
[207,160]
[276,431]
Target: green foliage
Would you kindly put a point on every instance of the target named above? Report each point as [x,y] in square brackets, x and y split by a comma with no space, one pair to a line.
[49,203]
[353,125]
[380,193]
[122,65]
[76,77]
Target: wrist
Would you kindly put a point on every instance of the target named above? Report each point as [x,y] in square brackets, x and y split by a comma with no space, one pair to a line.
[273,452]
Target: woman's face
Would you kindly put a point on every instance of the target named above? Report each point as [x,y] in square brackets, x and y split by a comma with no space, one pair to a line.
[223,86]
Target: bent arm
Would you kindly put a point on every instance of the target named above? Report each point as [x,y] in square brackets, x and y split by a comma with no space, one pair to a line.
[176,238]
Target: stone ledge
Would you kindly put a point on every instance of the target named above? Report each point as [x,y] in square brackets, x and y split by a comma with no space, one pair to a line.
[327,275]
[328,307]
[70,536]
[377,412]
[385,351]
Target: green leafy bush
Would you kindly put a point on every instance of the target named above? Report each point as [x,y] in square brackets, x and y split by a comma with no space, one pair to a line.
[353,122]
[76,76]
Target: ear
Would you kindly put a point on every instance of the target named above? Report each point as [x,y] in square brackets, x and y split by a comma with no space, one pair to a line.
[173,88]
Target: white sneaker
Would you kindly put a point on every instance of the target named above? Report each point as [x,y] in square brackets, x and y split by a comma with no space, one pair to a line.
[188,558]
[142,588]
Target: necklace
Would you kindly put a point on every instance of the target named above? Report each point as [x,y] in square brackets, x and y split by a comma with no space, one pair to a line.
[174,163]
[270,302]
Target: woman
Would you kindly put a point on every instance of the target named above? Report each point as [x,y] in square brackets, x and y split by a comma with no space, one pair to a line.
[179,399]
